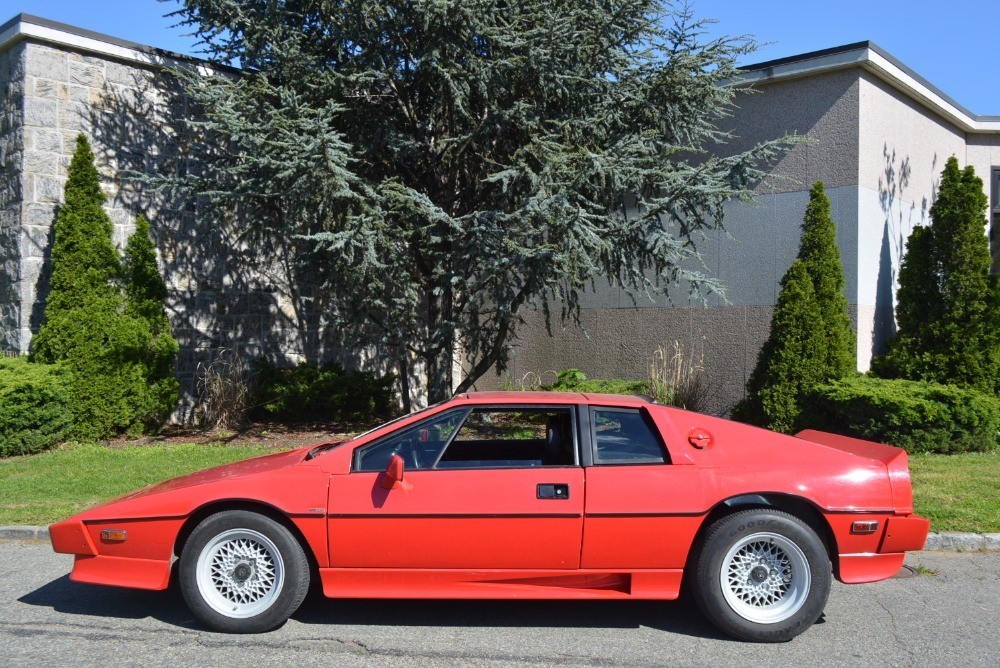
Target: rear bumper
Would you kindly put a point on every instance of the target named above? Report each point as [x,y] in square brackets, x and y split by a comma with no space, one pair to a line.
[904,533]
[907,533]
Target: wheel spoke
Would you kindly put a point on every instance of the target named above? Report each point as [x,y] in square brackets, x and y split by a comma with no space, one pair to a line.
[240,573]
[765,578]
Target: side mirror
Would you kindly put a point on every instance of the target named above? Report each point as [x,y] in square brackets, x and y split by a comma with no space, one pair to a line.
[393,473]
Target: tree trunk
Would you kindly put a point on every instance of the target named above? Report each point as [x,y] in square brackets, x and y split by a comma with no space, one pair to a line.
[439,376]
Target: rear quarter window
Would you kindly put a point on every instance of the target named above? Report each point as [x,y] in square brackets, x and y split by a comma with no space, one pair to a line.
[626,436]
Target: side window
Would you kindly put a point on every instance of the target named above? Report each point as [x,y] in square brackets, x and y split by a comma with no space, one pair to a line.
[624,436]
[419,446]
[504,438]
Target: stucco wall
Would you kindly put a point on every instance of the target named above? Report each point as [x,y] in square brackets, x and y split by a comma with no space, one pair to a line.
[824,108]
[11,159]
[619,337]
[983,153]
[903,149]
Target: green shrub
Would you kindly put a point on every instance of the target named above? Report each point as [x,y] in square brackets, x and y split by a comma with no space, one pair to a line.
[99,321]
[818,250]
[916,416]
[792,360]
[948,304]
[35,409]
[311,393]
[574,380]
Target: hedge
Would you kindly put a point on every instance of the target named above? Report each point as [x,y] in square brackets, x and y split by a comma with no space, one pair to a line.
[916,416]
[574,380]
[35,406]
[311,393]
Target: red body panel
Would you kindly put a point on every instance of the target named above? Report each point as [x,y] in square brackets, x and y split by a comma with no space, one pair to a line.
[504,584]
[456,519]
[625,531]
[130,572]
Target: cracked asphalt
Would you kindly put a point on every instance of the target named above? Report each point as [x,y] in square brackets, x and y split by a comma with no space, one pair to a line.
[951,618]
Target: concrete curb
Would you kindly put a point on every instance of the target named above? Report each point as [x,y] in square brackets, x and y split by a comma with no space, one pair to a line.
[945,541]
[24,533]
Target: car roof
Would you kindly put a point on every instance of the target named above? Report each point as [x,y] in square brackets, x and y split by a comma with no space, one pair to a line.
[507,397]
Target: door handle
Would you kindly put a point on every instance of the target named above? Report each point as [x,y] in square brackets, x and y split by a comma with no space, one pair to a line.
[552,491]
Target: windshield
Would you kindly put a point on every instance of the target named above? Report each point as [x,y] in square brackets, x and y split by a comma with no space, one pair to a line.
[399,419]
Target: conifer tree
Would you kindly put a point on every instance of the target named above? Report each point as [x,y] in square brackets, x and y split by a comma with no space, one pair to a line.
[441,166]
[792,360]
[86,325]
[85,264]
[145,292]
[948,304]
[819,252]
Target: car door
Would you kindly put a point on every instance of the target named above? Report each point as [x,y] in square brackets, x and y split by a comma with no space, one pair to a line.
[638,507]
[497,487]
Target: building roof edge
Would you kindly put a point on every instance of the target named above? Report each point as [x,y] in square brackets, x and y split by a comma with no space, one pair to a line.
[873,58]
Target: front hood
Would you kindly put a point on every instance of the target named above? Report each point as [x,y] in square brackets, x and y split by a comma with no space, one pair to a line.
[244,468]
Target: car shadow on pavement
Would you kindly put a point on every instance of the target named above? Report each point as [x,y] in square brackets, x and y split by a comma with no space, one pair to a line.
[682,617]
[73,598]
[679,617]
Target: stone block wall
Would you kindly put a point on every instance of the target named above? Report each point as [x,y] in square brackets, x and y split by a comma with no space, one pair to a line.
[11,194]
[226,291]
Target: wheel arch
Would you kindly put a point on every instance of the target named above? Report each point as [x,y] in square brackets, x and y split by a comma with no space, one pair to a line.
[261,508]
[797,506]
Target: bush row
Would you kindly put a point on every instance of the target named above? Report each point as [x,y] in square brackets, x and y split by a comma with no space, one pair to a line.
[916,416]
[35,406]
[574,380]
[311,393]
[38,405]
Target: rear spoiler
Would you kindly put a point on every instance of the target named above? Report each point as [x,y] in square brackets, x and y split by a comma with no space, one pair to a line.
[894,459]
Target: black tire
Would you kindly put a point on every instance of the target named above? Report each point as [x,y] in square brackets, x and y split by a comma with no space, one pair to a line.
[761,575]
[247,561]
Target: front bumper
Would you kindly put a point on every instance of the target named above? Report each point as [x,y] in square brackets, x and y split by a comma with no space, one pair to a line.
[73,537]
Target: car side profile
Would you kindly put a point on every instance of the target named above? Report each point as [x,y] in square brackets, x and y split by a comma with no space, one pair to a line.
[521,495]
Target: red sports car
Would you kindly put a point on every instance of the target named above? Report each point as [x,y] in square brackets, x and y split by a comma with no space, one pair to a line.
[521,495]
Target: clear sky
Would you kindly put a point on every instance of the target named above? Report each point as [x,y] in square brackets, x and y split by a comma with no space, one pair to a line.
[954,44]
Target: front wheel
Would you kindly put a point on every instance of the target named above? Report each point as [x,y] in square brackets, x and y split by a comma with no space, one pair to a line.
[241,572]
[762,575]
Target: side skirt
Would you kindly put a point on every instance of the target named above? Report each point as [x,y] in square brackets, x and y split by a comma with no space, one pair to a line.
[499,584]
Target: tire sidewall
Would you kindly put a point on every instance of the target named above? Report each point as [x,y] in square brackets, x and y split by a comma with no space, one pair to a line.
[294,585]
[732,529]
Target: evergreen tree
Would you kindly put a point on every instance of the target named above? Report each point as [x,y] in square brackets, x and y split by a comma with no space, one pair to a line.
[86,326]
[85,264]
[145,292]
[792,360]
[947,303]
[819,252]
[443,165]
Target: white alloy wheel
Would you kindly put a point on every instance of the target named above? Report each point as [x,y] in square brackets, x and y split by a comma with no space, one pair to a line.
[240,573]
[765,578]
[761,574]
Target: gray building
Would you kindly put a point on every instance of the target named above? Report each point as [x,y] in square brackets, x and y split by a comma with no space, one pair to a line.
[879,137]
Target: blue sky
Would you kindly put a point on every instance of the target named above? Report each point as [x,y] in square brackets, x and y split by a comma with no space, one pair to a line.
[952,44]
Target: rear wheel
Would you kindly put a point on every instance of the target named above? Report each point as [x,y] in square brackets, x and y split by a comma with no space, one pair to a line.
[241,572]
[762,575]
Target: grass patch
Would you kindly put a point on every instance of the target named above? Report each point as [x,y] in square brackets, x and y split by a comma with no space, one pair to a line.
[958,492]
[40,489]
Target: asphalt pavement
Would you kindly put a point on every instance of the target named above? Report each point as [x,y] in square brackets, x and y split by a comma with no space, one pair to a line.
[948,618]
